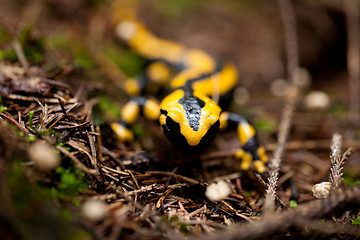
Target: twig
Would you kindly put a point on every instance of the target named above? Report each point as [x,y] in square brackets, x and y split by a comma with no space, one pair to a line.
[337,164]
[289,23]
[99,144]
[31,99]
[20,54]
[12,120]
[312,145]
[92,149]
[77,162]
[280,222]
[351,8]
[190,180]
[278,200]
[328,228]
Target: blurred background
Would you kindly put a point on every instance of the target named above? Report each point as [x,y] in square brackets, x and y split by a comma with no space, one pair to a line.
[73,43]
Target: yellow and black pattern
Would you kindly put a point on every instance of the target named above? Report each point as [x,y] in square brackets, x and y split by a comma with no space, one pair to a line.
[188,116]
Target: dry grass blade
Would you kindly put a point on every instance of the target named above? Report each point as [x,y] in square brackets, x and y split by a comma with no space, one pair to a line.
[20,54]
[337,160]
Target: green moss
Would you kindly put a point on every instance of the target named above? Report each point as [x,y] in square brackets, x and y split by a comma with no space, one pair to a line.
[131,63]
[8,54]
[35,216]
[351,181]
[3,109]
[356,221]
[265,124]
[71,182]
[293,204]
[72,48]
[33,48]
[5,37]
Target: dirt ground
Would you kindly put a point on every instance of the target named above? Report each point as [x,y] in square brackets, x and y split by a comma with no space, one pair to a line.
[64,174]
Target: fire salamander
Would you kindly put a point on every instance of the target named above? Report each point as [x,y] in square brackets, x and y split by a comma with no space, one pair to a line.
[188,116]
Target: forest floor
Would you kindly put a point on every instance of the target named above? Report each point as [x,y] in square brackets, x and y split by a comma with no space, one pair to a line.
[64,175]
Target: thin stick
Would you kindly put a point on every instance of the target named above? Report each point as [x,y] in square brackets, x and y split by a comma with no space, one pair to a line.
[281,222]
[335,157]
[180,177]
[12,120]
[20,54]
[289,23]
[77,162]
[351,8]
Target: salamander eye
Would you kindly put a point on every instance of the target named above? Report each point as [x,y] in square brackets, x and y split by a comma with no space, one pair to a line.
[172,130]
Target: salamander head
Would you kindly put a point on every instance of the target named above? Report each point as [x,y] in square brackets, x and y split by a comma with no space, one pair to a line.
[191,123]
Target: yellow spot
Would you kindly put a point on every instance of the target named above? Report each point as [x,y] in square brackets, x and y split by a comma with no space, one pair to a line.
[262,154]
[158,72]
[123,134]
[151,109]
[198,59]
[224,120]
[148,45]
[259,166]
[239,153]
[246,161]
[132,87]
[172,99]
[197,62]
[162,120]
[223,81]
[180,79]
[130,112]
[245,132]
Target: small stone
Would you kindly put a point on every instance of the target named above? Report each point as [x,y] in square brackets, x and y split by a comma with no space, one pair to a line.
[317,100]
[321,190]
[44,156]
[126,30]
[218,191]
[94,210]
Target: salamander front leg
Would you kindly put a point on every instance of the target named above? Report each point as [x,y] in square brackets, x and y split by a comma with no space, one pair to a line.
[251,153]
[130,113]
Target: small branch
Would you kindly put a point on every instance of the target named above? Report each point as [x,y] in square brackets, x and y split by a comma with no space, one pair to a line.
[18,125]
[351,8]
[283,221]
[289,23]
[77,162]
[290,35]
[336,161]
[329,228]
[20,54]
[180,177]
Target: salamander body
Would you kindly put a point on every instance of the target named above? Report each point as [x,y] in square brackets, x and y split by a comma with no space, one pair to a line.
[188,116]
